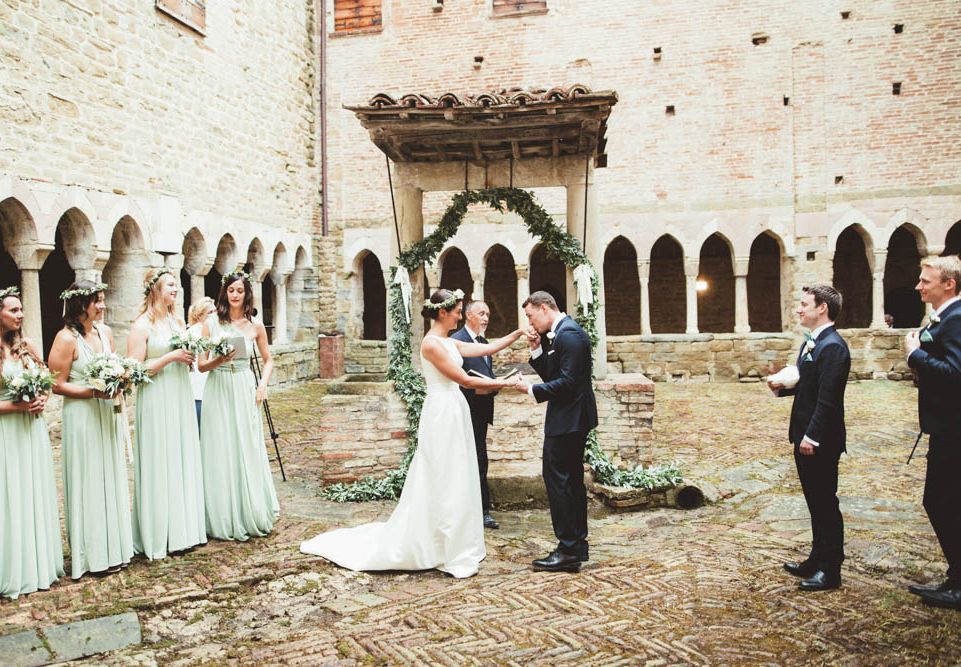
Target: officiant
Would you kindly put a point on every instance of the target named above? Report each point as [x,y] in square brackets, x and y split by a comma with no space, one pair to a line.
[476,316]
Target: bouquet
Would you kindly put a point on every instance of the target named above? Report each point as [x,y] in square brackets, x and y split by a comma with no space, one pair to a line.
[23,385]
[220,346]
[191,342]
[115,376]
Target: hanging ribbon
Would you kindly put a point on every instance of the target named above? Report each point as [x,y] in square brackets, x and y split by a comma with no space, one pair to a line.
[402,278]
[583,278]
[123,426]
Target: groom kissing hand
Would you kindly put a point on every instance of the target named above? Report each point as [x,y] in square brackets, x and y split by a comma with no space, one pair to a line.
[561,355]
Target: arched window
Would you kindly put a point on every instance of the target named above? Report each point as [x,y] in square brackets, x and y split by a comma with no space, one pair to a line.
[375,299]
[125,272]
[764,284]
[667,288]
[55,276]
[500,291]
[901,269]
[852,278]
[548,274]
[952,240]
[715,294]
[455,273]
[622,289]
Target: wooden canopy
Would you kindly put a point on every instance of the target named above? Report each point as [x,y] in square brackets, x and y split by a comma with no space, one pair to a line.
[514,124]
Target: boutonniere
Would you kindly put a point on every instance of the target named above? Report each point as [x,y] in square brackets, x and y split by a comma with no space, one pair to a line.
[809,346]
[934,320]
[550,335]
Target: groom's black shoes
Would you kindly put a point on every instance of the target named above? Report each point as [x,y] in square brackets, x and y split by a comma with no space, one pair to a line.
[821,581]
[949,598]
[920,589]
[558,562]
[803,569]
[489,522]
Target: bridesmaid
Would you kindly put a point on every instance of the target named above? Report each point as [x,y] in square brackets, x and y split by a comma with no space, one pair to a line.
[168,501]
[240,495]
[196,316]
[31,555]
[95,488]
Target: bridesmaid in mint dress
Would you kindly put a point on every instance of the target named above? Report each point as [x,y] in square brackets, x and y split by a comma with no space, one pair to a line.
[240,496]
[168,501]
[31,554]
[95,484]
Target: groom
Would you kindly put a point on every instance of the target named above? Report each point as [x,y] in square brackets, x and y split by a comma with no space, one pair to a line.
[561,355]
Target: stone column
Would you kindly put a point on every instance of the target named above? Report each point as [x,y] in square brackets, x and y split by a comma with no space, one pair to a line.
[280,309]
[690,279]
[742,322]
[589,237]
[523,272]
[877,301]
[644,275]
[196,288]
[30,265]
[433,280]
[174,262]
[410,219]
[478,277]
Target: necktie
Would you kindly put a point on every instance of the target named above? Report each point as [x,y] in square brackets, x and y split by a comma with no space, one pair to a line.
[808,338]
[487,360]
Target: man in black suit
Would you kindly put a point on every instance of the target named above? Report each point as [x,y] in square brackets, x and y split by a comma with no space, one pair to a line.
[817,432]
[935,355]
[476,316]
[561,355]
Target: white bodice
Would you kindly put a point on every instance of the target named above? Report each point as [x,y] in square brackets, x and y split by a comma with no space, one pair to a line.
[437,381]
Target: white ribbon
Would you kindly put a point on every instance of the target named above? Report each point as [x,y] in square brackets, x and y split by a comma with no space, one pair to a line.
[123,426]
[583,275]
[402,278]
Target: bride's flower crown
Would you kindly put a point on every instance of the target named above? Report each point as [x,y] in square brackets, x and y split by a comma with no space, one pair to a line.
[9,291]
[71,293]
[447,303]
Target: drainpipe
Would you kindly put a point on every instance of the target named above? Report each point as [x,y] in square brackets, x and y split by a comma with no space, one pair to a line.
[323,117]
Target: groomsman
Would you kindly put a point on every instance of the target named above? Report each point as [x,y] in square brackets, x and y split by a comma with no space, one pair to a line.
[476,316]
[817,432]
[935,355]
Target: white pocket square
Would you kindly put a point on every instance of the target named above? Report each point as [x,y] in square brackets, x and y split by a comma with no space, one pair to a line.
[551,352]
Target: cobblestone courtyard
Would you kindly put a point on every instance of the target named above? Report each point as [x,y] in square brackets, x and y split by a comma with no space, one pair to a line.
[663,587]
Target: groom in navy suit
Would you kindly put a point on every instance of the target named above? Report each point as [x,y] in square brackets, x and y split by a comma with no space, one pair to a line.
[561,355]
[476,316]
[934,354]
[817,432]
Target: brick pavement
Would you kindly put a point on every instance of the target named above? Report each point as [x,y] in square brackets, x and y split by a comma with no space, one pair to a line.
[664,587]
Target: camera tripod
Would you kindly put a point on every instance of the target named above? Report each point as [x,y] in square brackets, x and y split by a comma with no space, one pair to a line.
[255,367]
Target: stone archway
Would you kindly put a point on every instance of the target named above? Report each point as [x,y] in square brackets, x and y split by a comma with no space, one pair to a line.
[852,278]
[622,288]
[667,290]
[124,273]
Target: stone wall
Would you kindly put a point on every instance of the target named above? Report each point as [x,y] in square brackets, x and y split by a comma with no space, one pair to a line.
[294,363]
[365,356]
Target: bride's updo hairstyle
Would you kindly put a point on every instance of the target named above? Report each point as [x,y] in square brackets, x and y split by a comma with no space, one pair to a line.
[442,299]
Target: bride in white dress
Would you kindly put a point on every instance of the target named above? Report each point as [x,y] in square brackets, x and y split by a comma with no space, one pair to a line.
[437,523]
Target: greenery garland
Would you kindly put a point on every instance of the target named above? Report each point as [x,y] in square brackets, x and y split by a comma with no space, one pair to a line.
[409,383]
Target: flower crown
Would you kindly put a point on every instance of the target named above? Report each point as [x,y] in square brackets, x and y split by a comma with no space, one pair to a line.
[147,286]
[9,291]
[449,302]
[239,272]
[83,291]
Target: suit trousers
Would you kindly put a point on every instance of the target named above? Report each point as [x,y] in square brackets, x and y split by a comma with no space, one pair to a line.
[564,478]
[819,481]
[942,498]
[480,443]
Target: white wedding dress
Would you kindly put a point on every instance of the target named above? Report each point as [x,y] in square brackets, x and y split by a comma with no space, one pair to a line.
[437,523]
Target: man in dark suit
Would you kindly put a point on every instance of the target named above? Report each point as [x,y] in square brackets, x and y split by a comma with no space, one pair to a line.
[476,316]
[817,432]
[561,355]
[935,355]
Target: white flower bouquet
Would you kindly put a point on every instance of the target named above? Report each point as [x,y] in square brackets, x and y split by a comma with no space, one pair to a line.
[115,376]
[189,341]
[220,346]
[24,384]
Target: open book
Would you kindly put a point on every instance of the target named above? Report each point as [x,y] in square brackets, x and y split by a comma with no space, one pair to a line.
[510,374]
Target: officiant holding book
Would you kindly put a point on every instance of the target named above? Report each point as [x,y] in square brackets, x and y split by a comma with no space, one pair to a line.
[476,316]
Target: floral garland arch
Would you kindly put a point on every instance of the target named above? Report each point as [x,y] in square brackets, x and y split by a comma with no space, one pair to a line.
[409,383]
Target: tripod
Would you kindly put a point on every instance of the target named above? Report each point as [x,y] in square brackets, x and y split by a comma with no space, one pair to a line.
[255,367]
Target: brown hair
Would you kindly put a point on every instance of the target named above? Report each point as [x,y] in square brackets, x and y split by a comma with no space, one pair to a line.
[540,298]
[75,308]
[826,294]
[948,266]
[14,338]
[223,306]
[440,296]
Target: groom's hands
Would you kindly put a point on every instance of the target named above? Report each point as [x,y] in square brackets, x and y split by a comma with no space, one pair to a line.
[533,338]
[521,386]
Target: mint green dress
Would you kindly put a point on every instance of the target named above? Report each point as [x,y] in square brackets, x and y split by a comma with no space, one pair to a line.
[95,488]
[240,496]
[31,553]
[168,501]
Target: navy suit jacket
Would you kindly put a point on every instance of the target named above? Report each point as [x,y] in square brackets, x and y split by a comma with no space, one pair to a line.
[481,406]
[938,365]
[565,366]
[818,410]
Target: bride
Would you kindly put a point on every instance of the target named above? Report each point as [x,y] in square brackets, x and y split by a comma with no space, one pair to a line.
[437,522]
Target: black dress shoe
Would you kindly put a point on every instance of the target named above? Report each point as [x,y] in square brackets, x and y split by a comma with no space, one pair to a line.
[489,522]
[803,569]
[921,589]
[557,562]
[820,581]
[950,598]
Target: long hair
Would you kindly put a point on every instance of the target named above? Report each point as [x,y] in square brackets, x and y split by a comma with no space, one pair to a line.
[75,308]
[14,338]
[153,304]
[223,305]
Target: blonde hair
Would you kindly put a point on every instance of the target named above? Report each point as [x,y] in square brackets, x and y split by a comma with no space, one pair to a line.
[948,266]
[153,304]
[199,311]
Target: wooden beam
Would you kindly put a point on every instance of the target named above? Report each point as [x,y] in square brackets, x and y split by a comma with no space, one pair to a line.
[516,149]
